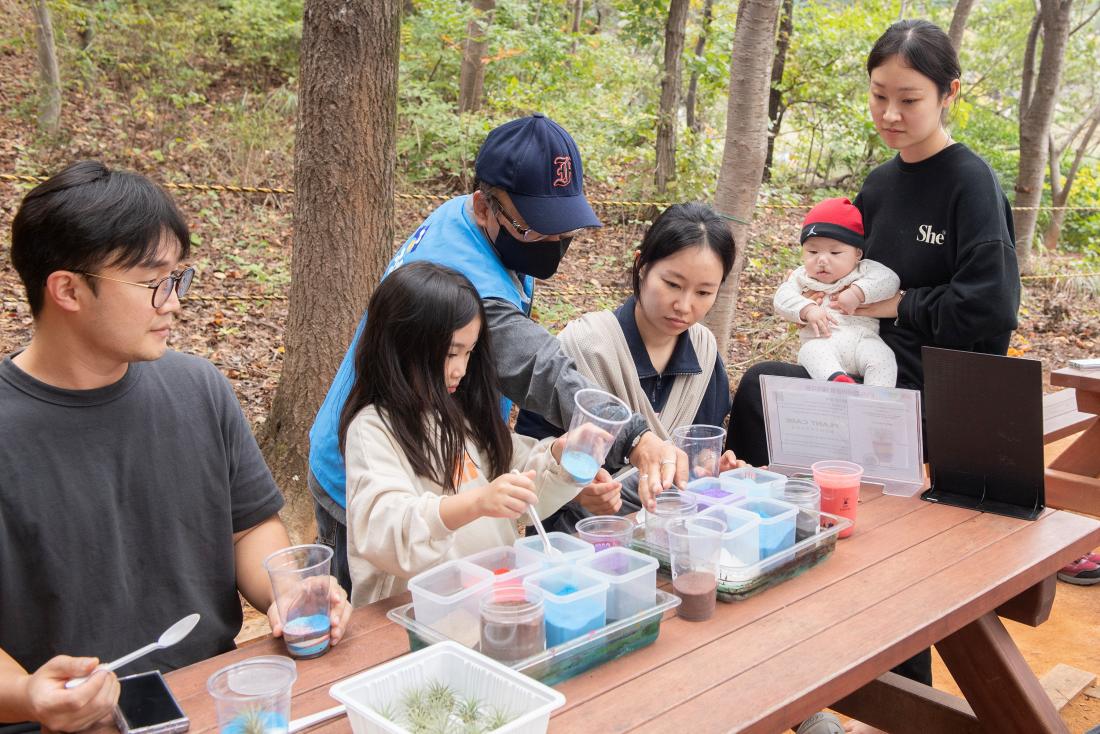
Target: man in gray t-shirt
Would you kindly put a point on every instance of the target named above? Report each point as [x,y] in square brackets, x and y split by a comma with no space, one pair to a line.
[132,492]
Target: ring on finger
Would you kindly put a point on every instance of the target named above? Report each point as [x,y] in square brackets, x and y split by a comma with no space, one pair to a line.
[667,461]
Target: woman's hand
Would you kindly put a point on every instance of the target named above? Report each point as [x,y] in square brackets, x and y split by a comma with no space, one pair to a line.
[659,464]
[728,461]
[819,318]
[602,496]
[507,496]
[887,309]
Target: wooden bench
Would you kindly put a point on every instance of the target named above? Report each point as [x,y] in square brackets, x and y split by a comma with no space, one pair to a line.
[1061,417]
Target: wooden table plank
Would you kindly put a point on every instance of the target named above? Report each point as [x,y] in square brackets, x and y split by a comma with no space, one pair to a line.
[826,666]
[725,647]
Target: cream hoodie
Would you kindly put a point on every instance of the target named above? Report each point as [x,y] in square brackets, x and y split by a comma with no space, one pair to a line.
[394,527]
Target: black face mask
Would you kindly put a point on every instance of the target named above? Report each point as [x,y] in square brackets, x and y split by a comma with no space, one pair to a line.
[538,259]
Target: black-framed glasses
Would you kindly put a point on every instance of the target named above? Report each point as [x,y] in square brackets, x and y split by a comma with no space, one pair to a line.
[180,281]
[526,233]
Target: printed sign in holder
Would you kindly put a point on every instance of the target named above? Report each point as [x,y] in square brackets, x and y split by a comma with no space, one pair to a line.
[985,431]
[878,428]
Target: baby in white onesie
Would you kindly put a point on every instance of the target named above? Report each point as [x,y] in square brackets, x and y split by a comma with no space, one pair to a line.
[836,343]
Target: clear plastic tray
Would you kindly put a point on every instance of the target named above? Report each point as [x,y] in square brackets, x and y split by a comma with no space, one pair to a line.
[740,582]
[571,658]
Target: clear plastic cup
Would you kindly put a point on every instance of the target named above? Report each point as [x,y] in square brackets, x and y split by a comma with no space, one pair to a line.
[300,581]
[839,482]
[512,623]
[694,550]
[598,417]
[703,446]
[668,506]
[606,531]
[253,696]
[807,496]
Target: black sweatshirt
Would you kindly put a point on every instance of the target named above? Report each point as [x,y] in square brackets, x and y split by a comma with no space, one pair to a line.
[945,227]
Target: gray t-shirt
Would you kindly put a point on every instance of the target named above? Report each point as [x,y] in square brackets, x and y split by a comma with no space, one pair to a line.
[117,512]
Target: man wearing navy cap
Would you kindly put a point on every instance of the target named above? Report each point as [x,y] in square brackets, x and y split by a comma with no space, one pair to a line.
[527,206]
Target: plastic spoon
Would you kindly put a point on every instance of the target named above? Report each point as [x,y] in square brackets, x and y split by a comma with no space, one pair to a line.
[170,637]
[313,719]
[551,551]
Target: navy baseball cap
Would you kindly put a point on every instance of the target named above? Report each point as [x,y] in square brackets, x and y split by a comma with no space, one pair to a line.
[538,164]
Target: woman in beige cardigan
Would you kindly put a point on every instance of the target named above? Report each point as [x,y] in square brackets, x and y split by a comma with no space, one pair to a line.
[433,473]
[653,351]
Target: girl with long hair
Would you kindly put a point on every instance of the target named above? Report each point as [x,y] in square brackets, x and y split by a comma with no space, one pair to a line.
[433,472]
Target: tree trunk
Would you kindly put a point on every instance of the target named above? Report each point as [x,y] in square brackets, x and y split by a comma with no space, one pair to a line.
[670,93]
[578,13]
[471,86]
[695,123]
[746,144]
[1037,108]
[344,154]
[776,107]
[1060,190]
[49,108]
[958,22]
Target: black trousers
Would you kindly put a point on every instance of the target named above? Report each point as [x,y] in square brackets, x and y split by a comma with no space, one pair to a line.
[746,438]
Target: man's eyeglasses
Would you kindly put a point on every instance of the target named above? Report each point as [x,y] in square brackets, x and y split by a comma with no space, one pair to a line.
[526,233]
[180,281]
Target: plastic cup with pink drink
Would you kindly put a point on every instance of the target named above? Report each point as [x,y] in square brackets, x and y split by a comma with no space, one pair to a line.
[839,482]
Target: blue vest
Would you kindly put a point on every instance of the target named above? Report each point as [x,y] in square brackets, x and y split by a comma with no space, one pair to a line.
[450,237]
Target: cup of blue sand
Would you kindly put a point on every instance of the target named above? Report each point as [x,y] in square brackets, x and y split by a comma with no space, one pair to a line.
[300,581]
[598,417]
[253,696]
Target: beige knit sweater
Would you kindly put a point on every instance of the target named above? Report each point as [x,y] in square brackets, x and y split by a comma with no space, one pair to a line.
[394,527]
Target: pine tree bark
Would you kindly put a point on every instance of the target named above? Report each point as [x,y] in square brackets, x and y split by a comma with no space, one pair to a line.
[1036,112]
[958,22]
[694,121]
[472,82]
[49,108]
[344,159]
[746,144]
[1059,190]
[776,108]
[669,107]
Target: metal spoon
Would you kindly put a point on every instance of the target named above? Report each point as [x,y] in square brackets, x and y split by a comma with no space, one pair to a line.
[170,637]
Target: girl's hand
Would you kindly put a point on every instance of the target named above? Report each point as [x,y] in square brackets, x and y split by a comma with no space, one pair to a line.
[819,317]
[728,461]
[507,496]
[887,309]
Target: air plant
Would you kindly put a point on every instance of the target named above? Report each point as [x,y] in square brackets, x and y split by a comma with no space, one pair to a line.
[436,709]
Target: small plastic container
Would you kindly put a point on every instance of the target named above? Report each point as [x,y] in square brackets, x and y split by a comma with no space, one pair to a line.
[631,578]
[513,626]
[470,676]
[670,505]
[751,481]
[606,531]
[777,523]
[446,598]
[503,562]
[253,695]
[711,491]
[530,550]
[741,539]
[574,600]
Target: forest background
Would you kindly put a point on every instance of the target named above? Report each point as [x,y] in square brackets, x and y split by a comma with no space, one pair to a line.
[206,93]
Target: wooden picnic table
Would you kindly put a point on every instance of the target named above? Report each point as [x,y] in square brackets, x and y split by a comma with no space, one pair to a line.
[1073,478]
[912,575]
